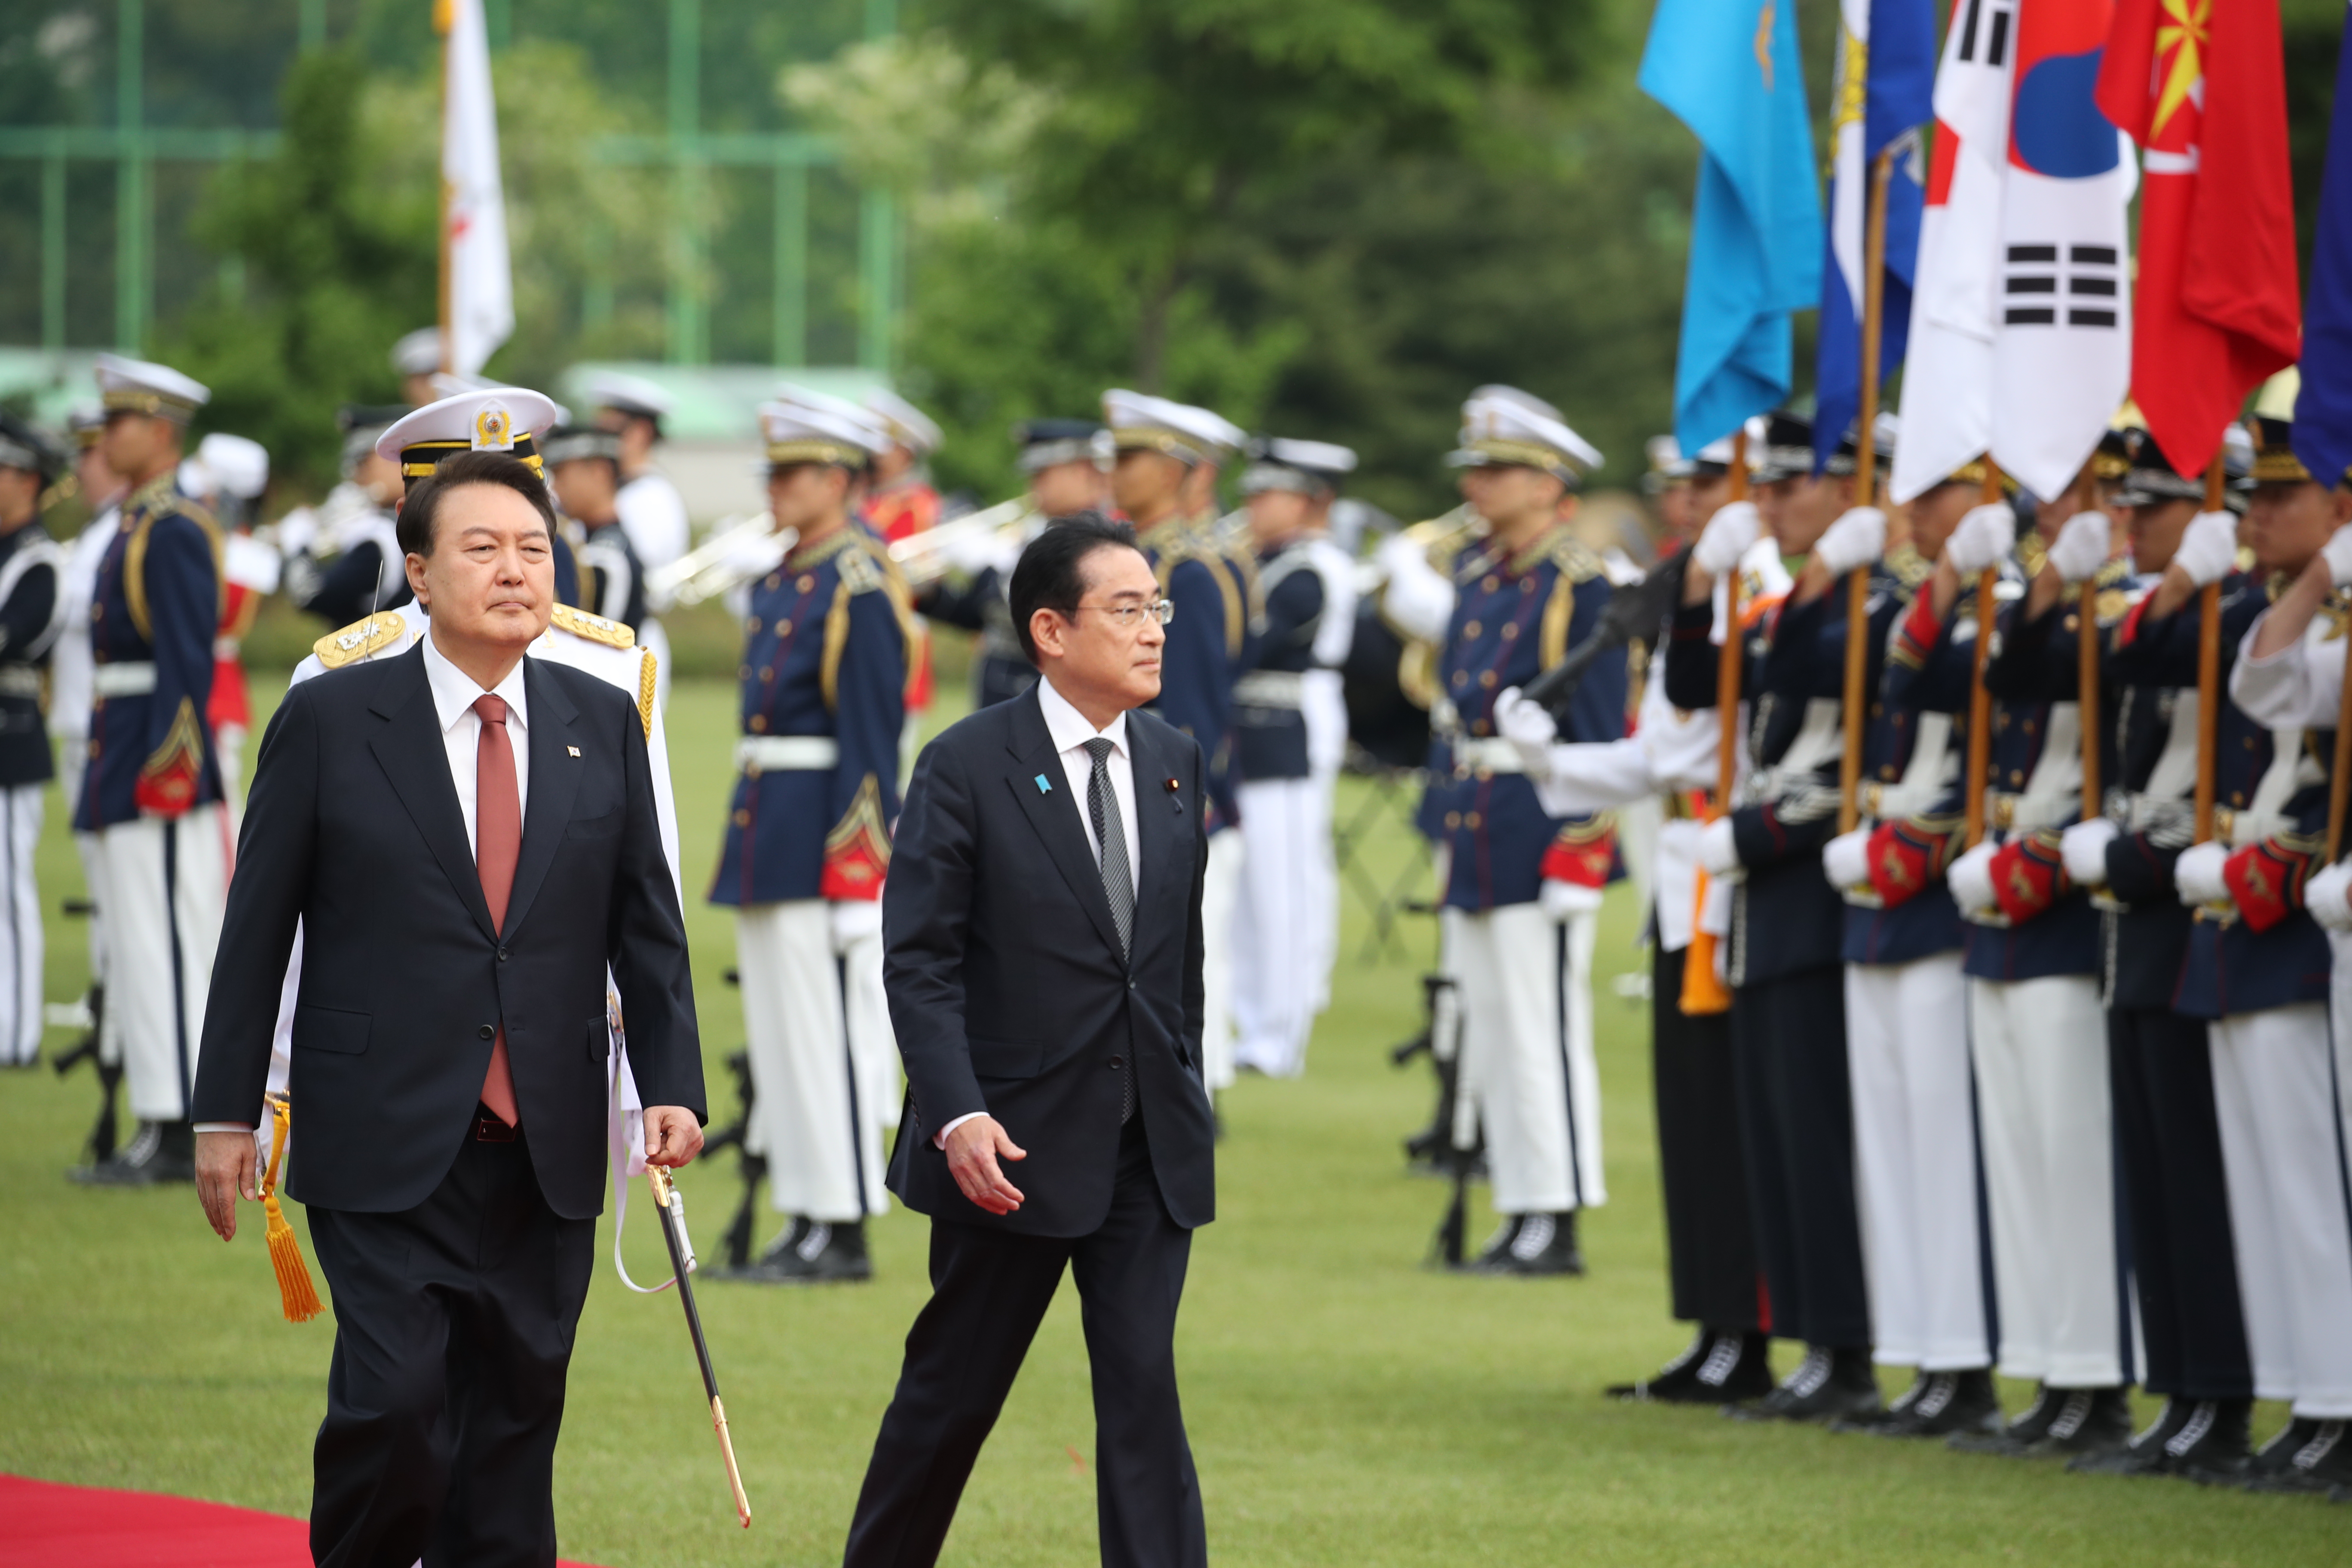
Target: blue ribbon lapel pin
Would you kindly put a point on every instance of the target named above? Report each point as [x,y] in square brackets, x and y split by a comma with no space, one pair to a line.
[1043,787]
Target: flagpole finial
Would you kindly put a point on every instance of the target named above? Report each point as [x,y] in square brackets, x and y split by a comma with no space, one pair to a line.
[445,16]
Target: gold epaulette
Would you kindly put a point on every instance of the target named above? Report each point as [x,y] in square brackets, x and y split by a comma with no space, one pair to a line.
[859,572]
[1572,556]
[1443,538]
[160,499]
[360,640]
[596,628]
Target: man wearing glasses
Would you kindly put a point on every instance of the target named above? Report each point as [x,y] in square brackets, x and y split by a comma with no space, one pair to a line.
[1042,948]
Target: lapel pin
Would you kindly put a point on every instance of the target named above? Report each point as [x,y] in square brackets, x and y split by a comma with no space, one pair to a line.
[574,749]
[1043,787]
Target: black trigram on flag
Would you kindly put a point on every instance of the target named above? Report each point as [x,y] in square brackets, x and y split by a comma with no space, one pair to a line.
[1989,29]
[2085,285]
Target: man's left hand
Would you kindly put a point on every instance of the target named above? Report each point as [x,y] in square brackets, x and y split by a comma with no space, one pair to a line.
[673,1137]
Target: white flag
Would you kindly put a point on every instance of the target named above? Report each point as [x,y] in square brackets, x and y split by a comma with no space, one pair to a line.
[474,205]
[1948,384]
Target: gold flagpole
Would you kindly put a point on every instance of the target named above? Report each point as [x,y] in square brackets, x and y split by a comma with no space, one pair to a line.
[2086,665]
[1857,591]
[2208,674]
[444,23]
[1980,700]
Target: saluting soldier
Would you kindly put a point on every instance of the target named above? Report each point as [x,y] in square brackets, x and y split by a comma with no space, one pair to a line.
[1786,935]
[32,614]
[1290,734]
[1906,1017]
[583,468]
[151,792]
[1526,885]
[1162,447]
[829,638]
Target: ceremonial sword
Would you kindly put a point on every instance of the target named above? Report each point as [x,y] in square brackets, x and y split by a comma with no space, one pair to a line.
[681,1261]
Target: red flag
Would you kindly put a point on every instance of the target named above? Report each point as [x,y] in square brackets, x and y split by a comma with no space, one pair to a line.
[2200,86]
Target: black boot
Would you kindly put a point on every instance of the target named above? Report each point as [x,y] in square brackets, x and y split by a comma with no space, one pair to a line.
[1716,1369]
[1535,1246]
[1828,1384]
[2089,1421]
[814,1252]
[162,1152]
[2014,1440]
[2215,1449]
[2314,1456]
[1949,1403]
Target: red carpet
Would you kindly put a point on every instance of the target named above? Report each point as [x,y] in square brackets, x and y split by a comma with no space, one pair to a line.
[44,1525]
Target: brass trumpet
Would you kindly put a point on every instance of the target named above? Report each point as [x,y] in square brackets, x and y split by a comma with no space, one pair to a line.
[738,551]
[924,558]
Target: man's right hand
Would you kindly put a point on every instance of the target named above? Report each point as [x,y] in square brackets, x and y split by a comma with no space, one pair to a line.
[225,1170]
[972,1152]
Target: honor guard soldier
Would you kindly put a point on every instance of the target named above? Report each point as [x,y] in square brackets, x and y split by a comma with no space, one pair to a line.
[1290,734]
[651,511]
[902,500]
[2278,1075]
[32,614]
[1064,461]
[228,477]
[1785,944]
[583,468]
[416,359]
[1716,1281]
[1162,447]
[71,666]
[2160,1075]
[2035,961]
[342,558]
[152,791]
[1526,886]
[828,641]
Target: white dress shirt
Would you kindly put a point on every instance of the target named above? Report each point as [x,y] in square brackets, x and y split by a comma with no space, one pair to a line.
[454,695]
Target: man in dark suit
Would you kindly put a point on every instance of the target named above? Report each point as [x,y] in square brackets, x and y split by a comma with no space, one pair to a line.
[1044,943]
[468,839]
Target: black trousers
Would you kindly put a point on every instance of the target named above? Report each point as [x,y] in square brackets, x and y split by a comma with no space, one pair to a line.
[988,1292]
[453,1332]
[1711,1262]
[2184,1259]
[1796,1113]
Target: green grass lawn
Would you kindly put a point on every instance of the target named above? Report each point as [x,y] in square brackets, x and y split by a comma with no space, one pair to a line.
[1346,1406]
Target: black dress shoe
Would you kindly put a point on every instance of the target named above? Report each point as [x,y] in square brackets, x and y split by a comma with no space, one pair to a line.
[812,1252]
[1716,1369]
[1828,1386]
[2089,1422]
[162,1152]
[1535,1246]
[2317,1457]
[1949,1403]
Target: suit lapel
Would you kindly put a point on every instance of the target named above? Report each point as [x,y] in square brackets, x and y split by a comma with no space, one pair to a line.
[1156,821]
[555,768]
[1052,813]
[415,758]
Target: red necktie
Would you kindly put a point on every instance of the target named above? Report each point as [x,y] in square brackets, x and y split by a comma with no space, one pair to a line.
[497,843]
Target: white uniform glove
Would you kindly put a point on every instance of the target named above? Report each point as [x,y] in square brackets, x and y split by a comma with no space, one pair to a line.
[2209,547]
[2328,896]
[1845,859]
[1528,728]
[1728,536]
[2083,848]
[1983,540]
[1719,852]
[1856,540]
[2081,546]
[2338,551]
[2198,874]
[1970,879]
[1563,902]
[853,920]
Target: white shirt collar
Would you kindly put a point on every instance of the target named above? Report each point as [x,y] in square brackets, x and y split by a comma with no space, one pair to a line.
[454,692]
[1069,728]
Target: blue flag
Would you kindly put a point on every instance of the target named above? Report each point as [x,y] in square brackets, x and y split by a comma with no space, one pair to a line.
[1728,69]
[2323,409]
[1886,91]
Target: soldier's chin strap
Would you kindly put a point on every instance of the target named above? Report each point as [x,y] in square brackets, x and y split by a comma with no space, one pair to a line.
[626,1161]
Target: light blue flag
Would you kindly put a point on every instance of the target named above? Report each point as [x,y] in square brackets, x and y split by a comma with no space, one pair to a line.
[1730,71]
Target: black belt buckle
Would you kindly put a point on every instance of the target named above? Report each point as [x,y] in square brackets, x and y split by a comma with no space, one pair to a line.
[488,1129]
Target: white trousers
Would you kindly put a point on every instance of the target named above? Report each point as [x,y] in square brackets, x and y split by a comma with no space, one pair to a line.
[1914,1157]
[2275,1094]
[1527,1056]
[166,887]
[1281,942]
[20,923]
[1220,895]
[823,1060]
[2044,1102]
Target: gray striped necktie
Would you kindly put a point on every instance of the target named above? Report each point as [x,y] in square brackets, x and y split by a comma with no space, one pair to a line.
[1110,832]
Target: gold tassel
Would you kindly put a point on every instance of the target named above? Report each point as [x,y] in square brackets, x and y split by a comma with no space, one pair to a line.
[296,1293]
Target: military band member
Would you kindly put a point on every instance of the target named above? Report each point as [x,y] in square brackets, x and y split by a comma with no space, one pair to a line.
[583,469]
[1290,733]
[32,614]
[902,499]
[1785,944]
[651,511]
[343,559]
[1526,885]
[227,478]
[72,664]
[1161,449]
[416,359]
[2043,1102]
[828,641]
[152,791]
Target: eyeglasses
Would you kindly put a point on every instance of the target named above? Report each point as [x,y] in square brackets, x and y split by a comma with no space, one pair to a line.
[1127,618]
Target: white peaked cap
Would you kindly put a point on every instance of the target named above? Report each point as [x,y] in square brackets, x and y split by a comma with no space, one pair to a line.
[1180,429]
[239,465]
[806,426]
[492,419]
[1498,429]
[138,386]
[908,426]
[629,393]
[417,352]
